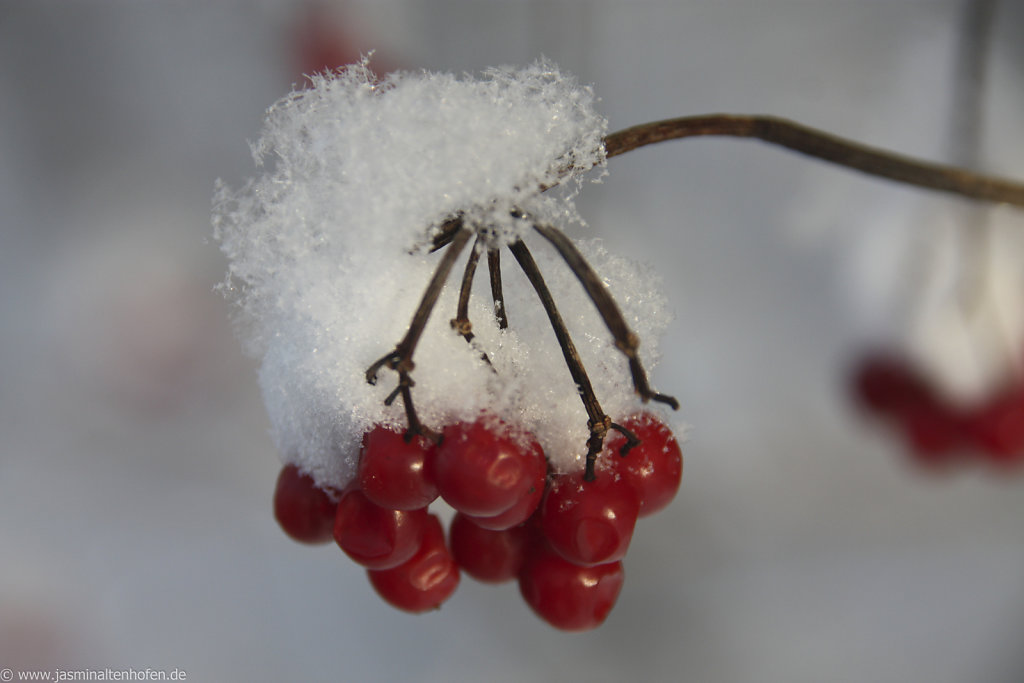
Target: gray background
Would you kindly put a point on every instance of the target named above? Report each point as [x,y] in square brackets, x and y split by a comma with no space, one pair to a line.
[135,467]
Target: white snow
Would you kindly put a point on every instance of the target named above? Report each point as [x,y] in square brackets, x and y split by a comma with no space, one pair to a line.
[944,286]
[328,251]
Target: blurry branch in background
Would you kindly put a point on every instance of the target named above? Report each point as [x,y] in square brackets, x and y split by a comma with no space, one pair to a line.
[970,77]
[825,146]
[975,236]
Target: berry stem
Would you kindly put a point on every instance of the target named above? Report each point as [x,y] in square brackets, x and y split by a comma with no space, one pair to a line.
[824,146]
[416,427]
[446,233]
[599,423]
[625,339]
[400,359]
[494,269]
[461,323]
[632,440]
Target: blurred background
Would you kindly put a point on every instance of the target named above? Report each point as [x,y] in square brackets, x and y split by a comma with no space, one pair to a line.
[135,465]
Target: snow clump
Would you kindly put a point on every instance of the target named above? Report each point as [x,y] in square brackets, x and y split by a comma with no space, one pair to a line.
[329,252]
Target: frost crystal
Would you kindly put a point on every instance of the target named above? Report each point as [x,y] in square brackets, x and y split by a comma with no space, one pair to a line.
[329,256]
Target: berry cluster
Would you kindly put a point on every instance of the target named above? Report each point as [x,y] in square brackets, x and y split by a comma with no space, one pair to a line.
[939,432]
[562,537]
[323,290]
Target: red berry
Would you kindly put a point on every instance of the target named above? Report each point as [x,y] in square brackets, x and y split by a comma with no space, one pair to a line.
[567,596]
[375,537]
[885,384]
[484,474]
[590,522]
[524,508]
[933,431]
[654,467]
[424,581]
[998,427]
[515,515]
[392,471]
[305,512]
[487,555]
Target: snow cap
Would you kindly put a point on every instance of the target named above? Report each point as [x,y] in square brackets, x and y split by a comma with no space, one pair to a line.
[329,258]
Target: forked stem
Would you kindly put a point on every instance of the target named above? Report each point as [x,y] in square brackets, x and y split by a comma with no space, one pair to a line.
[400,359]
[625,339]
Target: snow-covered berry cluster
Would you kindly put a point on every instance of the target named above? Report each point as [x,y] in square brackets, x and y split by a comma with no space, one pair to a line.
[561,537]
[373,192]
[950,382]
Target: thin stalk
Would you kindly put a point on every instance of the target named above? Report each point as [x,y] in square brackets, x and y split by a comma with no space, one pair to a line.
[461,323]
[400,359]
[625,339]
[598,422]
[494,269]
[824,146]
[446,233]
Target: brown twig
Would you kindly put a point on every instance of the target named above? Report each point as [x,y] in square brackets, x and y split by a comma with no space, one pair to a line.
[446,233]
[400,359]
[625,339]
[598,422]
[497,296]
[825,146]
[461,323]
